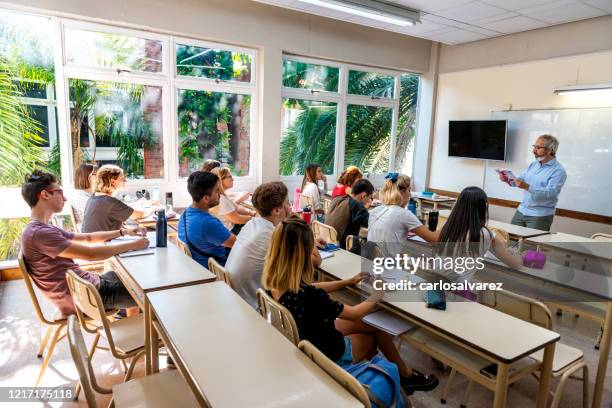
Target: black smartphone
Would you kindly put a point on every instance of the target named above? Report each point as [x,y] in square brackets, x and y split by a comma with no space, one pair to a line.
[490,371]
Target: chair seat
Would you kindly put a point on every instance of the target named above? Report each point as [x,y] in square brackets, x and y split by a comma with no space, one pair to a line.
[564,356]
[167,389]
[127,333]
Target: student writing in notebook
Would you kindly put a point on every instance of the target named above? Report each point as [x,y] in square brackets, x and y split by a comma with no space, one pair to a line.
[204,234]
[49,251]
[334,328]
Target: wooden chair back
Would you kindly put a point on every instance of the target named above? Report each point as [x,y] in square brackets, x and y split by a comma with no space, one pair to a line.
[80,356]
[306,200]
[327,232]
[184,248]
[27,279]
[519,306]
[76,220]
[278,316]
[336,372]
[600,236]
[220,272]
[500,233]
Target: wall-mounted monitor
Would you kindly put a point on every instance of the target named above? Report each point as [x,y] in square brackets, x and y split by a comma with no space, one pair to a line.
[477,139]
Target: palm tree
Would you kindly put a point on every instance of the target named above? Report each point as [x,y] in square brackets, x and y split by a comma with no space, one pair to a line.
[311,136]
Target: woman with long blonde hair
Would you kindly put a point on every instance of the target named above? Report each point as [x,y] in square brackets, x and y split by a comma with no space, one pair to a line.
[232,215]
[334,328]
[391,222]
[104,212]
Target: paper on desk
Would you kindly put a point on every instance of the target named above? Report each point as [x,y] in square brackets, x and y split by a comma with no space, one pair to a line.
[326,254]
[128,254]
[130,238]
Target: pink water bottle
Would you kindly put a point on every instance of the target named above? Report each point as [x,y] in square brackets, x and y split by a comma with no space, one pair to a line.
[296,199]
[534,259]
[307,214]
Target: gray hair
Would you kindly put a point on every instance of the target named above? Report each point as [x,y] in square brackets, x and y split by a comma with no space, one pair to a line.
[551,142]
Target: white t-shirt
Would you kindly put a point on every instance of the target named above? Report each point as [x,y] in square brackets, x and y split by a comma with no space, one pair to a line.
[78,200]
[312,190]
[486,239]
[226,206]
[246,260]
[391,223]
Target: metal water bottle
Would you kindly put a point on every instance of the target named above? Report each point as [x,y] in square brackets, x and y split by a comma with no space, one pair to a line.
[161,228]
[412,206]
[433,220]
[169,202]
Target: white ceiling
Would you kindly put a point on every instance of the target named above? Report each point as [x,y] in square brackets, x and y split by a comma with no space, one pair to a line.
[461,21]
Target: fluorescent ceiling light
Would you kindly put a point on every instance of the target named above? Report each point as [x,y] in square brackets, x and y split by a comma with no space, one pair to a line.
[591,89]
[371,9]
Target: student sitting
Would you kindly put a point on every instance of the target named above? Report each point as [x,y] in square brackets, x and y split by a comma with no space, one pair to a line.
[203,233]
[210,164]
[465,234]
[104,212]
[310,187]
[346,181]
[348,213]
[390,223]
[334,328]
[49,250]
[231,214]
[85,178]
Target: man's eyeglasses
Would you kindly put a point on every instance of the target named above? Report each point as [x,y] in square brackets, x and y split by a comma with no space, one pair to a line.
[539,147]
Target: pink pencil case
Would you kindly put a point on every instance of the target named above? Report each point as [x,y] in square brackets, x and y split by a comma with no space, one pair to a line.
[534,259]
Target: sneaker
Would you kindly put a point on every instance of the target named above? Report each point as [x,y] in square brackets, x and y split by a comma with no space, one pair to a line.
[170,363]
[419,382]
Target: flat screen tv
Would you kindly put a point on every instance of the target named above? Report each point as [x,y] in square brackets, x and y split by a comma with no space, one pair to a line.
[477,139]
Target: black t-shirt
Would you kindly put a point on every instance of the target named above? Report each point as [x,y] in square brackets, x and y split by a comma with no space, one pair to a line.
[105,213]
[314,313]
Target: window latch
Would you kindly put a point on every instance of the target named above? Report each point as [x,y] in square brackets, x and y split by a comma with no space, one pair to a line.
[122,70]
[313,91]
[374,98]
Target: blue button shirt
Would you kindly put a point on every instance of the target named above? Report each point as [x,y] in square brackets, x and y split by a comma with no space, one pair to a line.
[206,233]
[545,183]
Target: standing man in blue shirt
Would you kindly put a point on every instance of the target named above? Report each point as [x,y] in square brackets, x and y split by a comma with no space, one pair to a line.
[204,234]
[542,182]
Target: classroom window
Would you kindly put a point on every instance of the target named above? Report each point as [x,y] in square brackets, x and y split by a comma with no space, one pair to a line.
[371,84]
[213,125]
[125,116]
[107,50]
[204,62]
[297,74]
[368,138]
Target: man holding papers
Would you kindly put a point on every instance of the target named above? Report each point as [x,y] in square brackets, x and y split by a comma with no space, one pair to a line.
[542,182]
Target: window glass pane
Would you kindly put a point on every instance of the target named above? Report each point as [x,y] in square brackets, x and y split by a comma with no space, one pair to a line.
[368,138]
[310,76]
[371,84]
[30,89]
[125,116]
[212,63]
[213,125]
[308,136]
[406,127]
[39,113]
[114,51]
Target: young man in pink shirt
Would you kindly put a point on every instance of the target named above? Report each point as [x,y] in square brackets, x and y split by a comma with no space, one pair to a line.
[49,250]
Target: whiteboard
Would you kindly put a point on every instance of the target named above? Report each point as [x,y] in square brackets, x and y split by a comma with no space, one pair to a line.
[585,151]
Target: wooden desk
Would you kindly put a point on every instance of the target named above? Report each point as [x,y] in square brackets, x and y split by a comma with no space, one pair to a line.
[166,268]
[434,201]
[477,328]
[231,357]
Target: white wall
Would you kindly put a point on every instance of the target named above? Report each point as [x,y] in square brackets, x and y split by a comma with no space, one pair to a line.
[473,94]
[272,30]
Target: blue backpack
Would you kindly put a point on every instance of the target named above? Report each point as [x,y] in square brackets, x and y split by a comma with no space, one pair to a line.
[381,380]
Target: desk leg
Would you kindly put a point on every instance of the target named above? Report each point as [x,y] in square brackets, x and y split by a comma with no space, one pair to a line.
[546,370]
[154,348]
[501,386]
[147,336]
[435,205]
[604,351]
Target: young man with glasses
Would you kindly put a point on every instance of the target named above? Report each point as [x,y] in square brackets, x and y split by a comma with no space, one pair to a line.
[49,250]
[542,182]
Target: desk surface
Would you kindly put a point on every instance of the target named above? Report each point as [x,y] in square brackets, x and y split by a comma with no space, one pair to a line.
[165,268]
[434,199]
[492,332]
[234,357]
[511,229]
[560,237]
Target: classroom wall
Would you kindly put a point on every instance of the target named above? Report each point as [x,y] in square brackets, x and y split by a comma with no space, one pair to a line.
[473,93]
[273,30]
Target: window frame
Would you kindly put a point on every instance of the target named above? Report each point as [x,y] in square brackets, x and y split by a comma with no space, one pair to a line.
[343,99]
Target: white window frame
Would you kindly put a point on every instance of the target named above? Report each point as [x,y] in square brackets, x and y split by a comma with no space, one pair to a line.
[343,99]
[48,102]
[185,82]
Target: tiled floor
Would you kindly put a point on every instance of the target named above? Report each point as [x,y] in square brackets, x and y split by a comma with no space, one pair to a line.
[21,334]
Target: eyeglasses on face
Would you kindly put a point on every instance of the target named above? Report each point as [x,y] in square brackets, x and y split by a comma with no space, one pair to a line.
[539,147]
